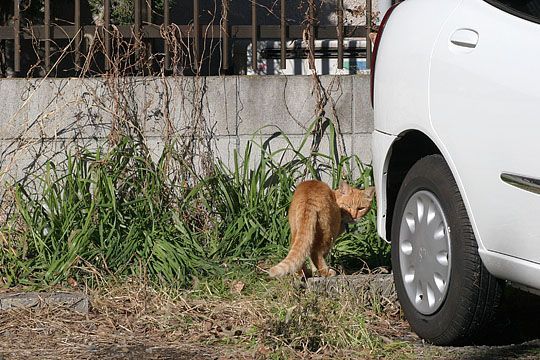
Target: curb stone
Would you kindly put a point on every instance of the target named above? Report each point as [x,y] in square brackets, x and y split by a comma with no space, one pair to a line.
[32,300]
[365,285]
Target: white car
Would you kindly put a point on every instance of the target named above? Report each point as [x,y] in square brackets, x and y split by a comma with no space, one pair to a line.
[456,157]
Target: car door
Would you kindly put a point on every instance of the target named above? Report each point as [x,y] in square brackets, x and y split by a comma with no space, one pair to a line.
[485,109]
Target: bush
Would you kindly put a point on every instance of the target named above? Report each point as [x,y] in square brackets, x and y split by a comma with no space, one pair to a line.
[119,212]
[113,212]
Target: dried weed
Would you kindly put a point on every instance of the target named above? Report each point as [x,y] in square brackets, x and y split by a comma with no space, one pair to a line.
[264,319]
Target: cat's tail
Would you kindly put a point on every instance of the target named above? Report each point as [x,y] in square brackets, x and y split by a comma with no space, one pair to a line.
[302,244]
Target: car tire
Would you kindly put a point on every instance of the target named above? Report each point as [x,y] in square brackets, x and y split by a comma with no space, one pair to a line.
[445,292]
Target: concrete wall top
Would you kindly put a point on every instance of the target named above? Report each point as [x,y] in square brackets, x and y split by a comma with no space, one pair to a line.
[229,110]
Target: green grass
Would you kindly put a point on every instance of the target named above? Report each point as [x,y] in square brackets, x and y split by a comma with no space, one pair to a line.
[286,320]
[119,212]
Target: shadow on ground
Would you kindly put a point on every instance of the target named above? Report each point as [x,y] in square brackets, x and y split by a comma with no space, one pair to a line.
[514,335]
[517,320]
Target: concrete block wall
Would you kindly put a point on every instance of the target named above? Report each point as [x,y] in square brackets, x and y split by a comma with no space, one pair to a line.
[42,117]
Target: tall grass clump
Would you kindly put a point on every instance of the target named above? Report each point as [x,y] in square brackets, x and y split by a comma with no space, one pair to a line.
[252,197]
[118,211]
[112,211]
[251,204]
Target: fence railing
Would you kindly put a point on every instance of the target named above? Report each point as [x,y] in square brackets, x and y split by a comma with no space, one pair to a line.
[46,39]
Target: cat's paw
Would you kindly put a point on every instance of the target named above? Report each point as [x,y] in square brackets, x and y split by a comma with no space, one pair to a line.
[331,272]
[327,272]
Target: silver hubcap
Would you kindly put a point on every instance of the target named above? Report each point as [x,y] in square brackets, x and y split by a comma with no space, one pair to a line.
[424,252]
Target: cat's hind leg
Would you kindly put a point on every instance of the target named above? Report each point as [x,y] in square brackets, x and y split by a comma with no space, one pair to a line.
[320,249]
[322,267]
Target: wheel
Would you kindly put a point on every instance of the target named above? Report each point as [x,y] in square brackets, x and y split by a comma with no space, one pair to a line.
[446,293]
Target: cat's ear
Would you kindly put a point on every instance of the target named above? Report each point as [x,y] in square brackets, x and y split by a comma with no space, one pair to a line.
[369,192]
[344,188]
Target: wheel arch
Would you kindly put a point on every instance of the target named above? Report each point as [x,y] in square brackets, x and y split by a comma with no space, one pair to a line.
[409,147]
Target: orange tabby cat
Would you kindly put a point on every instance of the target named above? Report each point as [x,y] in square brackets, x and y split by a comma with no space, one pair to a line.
[316,216]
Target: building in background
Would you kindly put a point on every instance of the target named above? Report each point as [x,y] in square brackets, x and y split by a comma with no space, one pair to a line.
[326,50]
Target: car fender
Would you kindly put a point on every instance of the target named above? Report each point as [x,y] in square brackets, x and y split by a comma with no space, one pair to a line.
[383,143]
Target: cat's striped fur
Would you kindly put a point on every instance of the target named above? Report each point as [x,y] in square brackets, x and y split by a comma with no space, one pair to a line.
[316,217]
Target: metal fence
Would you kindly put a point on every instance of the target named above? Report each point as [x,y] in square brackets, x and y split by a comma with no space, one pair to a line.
[148,27]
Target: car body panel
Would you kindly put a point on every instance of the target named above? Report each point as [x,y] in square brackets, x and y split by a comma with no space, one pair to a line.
[395,83]
[381,144]
[407,44]
[518,271]
[484,105]
[428,89]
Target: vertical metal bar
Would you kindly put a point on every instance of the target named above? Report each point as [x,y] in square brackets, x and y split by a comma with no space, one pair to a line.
[283,37]
[340,33]
[78,35]
[225,34]
[47,22]
[137,30]
[166,23]
[106,32]
[149,42]
[254,35]
[17,35]
[196,33]
[137,17]
[368,30]
[149,11]
[312,32]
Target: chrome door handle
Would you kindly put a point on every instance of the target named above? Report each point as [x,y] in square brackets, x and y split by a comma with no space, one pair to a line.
[466,38]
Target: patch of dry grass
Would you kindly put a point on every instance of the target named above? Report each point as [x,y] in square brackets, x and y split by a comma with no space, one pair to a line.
[247,318]
[126,320]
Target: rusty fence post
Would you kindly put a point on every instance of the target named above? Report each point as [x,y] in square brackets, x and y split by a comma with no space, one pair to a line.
[312,32]
[107,33]
[254,35]
[137,31]
[149,11]
[137,16]
[340,33]
[17,36]
[78,35]
[225,34]
[196,34]
[47,34]
[149,41]
[283,37]
[166,23]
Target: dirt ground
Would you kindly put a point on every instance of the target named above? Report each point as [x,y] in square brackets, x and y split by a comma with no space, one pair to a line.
[47,343]
[135,322]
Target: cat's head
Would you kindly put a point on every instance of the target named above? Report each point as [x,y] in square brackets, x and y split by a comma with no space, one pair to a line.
[354,202]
